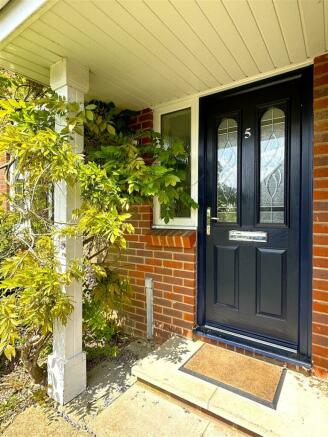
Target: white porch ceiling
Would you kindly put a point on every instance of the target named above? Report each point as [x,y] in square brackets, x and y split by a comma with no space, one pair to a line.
[143,53]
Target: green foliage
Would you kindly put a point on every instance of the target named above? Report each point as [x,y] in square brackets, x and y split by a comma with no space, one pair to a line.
[121,169]
[126,159]
[100,329]
[105,294]
[8,224]
[97,325]
[8,406]
[106,289]
[32,294]
[18,87]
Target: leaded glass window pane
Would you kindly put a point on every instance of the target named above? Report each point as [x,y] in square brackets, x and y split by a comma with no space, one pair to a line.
[227,168]
[272,166]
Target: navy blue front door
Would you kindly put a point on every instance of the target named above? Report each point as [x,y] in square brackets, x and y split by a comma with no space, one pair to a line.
[253,164]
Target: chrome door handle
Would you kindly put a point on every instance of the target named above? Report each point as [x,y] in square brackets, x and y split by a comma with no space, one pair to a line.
[208,220]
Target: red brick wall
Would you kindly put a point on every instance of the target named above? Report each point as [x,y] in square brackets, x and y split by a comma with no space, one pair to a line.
[173,269]
[144,120]
[320,218]
[169,257]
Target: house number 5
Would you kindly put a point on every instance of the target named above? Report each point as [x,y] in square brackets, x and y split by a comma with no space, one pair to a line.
[248,133]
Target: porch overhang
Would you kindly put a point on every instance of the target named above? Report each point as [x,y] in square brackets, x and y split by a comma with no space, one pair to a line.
[144,53]
[148,53]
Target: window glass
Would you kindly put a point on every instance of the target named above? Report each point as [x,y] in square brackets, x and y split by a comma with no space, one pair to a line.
[227,171]
[272,166]
[176,127]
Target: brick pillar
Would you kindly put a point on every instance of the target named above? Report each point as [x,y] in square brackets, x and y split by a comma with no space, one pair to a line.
[320,218]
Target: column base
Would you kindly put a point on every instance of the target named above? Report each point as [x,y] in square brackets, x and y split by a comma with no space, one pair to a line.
[66,378]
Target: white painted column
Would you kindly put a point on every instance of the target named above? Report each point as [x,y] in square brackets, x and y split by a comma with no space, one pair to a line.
[67,363]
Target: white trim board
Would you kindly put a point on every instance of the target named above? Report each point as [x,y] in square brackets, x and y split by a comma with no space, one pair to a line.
[17,15]
[189,222]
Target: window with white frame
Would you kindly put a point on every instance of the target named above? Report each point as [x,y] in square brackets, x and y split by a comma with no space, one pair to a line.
[179,122]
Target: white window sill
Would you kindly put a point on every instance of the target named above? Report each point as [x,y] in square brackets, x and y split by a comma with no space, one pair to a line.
[176,227]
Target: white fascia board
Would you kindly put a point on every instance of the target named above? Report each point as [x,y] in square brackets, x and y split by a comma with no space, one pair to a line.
[16,15]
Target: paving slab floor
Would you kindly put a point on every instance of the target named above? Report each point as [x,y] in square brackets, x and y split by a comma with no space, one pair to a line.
[35,422]
[139,412]
[114,404]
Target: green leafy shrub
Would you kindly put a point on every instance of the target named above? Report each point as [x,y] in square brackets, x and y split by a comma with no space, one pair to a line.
[115,175]
[31,300]
[105,293]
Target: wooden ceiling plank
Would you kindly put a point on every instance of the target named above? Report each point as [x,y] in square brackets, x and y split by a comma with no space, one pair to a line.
[198,21]
[86,52]
[126,59]
[105,52]
[21,68]
[11,57]
[60,41]
[222,23]
[101,89]
[189,40]
[172,45]
[128,25]
[291,26]
[312,16]
[37,49]
[267,21]
[15,50]
[241,15]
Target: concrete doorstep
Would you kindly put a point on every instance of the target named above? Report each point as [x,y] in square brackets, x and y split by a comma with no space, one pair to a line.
[141,412]
[157,399]
[115,405]
[302,408]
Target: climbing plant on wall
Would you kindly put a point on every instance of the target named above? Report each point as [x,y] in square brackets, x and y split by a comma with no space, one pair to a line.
[121,168]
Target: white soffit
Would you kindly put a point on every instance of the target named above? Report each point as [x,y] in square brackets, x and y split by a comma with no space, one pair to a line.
[3,3]
[144,53]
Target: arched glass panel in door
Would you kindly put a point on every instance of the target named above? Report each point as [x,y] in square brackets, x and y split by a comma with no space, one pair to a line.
[227,171]
[272,166]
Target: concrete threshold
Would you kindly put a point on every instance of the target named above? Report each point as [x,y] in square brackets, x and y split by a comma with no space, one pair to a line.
[302,408]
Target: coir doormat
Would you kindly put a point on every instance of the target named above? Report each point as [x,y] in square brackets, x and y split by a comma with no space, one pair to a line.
[246,376]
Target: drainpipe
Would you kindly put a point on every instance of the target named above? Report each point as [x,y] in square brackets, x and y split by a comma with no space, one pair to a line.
[149,285]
